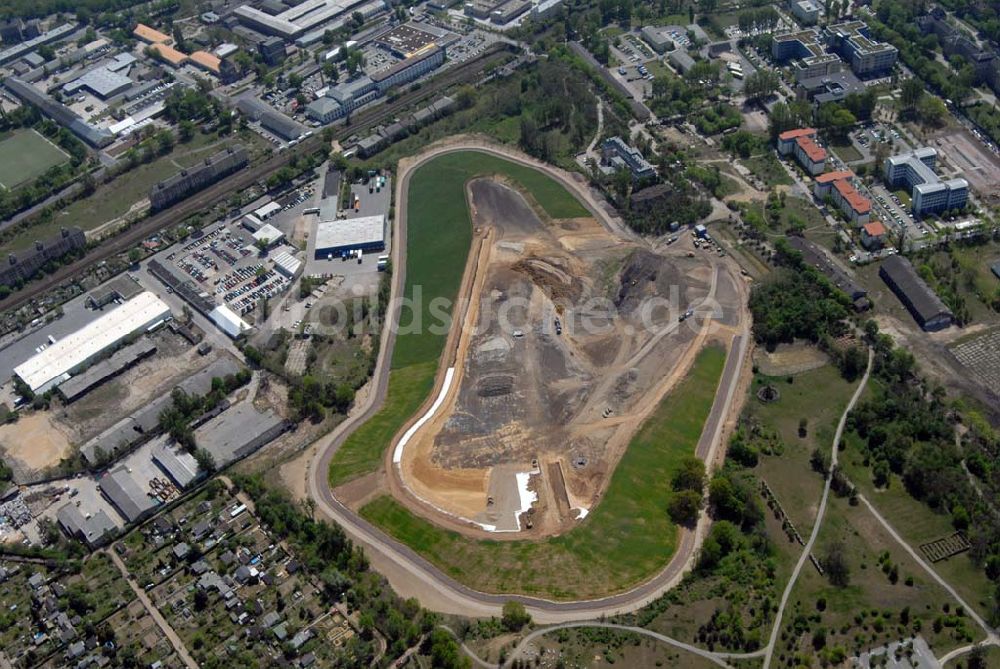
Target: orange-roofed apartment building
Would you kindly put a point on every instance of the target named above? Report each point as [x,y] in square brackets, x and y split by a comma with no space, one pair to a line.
[169,55]
[802,143]
[150,35]
[206,61]
[838,186]
[873,235]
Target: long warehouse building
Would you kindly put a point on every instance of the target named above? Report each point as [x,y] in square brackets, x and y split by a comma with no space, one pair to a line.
[56,363]
[366,233]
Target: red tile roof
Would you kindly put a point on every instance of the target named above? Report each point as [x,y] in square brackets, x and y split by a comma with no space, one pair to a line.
[813,151]
[875,229]
[859,203]
[830,177]
[793,134]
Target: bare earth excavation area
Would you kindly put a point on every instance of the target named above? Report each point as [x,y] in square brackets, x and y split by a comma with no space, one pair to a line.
[571,338]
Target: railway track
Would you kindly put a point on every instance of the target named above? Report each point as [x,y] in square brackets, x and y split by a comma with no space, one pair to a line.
[463,73]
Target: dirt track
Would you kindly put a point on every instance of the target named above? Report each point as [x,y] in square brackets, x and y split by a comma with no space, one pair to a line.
[412,575]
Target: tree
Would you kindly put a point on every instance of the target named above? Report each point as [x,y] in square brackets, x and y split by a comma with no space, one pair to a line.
[932,111]
[761,84]
[514,616]
[834,562]
[690,475]
[977,658]
[134,255]
[684,507]
[205,460]
[910,94]
[444,651]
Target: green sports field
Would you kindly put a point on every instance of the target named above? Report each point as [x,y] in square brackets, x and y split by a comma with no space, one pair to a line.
[24,156]
[439,235]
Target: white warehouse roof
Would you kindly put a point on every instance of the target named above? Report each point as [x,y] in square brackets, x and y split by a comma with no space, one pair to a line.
[228,321]
[350,233]
[286,263]
[268,210]
[269,233]
[73,351]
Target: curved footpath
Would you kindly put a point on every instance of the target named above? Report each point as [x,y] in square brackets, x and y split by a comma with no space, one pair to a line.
[807,550]
[412,575]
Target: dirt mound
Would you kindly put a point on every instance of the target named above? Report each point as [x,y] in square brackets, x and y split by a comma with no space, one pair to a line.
[552,276]
[645,275]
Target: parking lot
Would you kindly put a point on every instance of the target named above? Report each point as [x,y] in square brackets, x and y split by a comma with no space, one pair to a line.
[893,211]
[469,46]
[226,262]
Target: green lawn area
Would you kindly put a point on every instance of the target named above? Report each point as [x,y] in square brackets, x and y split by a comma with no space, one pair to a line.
[25,155]
[623,541]
[819,396]
[904,197]
[870,592]
[767,168]
[439,234]
[847,152]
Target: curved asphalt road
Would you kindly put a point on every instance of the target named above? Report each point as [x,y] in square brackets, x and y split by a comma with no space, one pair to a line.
[408,572]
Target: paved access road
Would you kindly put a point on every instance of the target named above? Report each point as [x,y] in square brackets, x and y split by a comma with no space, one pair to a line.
[412,575]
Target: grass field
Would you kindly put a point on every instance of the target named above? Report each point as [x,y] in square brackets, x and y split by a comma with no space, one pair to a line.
[847,151]
[439,234]
[114,199]
[24,156]
[871,594]
[819,396]
[767,168]
[624,540]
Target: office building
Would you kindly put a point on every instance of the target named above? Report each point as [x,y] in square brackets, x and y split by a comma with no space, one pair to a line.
[342,99]
[806,11]
[60,113]
[868,58]
[659,38]
[616,155]
[929,194]
[270,118]
[56,34]
[272,50]
[423,61]
[842,193]
[806,50]
[508,11]
[150,35]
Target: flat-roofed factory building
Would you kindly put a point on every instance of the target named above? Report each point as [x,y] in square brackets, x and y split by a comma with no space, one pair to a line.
[366,233]
[72,353]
